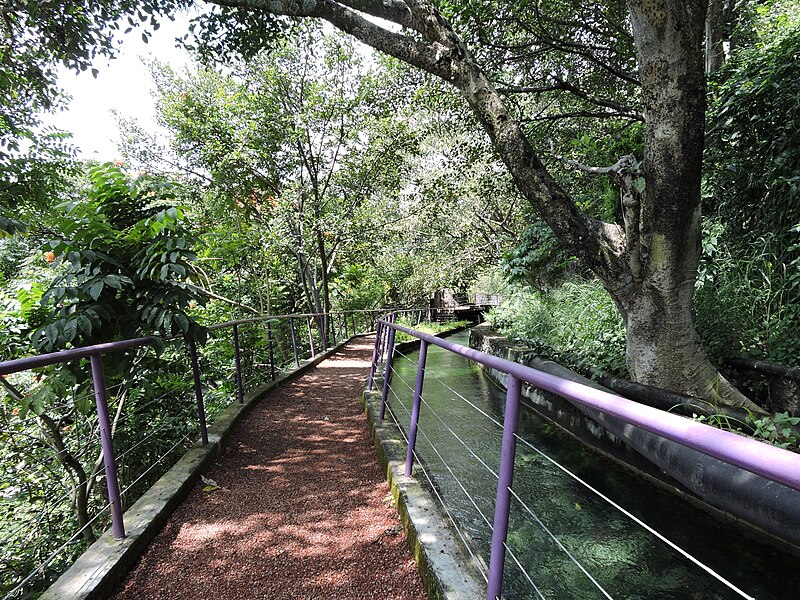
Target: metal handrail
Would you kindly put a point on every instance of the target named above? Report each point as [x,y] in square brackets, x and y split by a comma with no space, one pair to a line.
[96,351]
[765,460]
[52,358]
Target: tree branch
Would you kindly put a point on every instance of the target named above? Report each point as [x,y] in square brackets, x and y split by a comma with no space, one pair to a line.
[431,58]
[210,294]
[620,109]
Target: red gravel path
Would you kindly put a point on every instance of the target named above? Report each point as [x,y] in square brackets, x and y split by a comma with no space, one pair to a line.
[301,511]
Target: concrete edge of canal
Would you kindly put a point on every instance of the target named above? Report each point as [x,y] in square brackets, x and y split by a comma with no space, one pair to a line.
[446,570]
[104,564]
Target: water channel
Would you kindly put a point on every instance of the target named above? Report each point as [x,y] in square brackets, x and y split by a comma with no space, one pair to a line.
[599,552]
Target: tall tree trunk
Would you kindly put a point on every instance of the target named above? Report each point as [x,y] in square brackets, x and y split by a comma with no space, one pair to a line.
[663,348]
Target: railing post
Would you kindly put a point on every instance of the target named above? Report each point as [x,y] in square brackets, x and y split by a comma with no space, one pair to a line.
[353,321]
[271,352]
[346,330]
[294,344]
[109,460]
[412,429]
[384,336]
[374,364]
[238,357]
[332,320]
[503,502]
[198,391]
[387,372]
[310,337]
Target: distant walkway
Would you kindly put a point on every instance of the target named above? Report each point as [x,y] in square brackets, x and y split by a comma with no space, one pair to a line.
[302,509]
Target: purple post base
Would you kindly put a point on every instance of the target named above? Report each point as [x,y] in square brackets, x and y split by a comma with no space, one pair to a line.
[109,460]
[502,506]
[374,364]
[412,429]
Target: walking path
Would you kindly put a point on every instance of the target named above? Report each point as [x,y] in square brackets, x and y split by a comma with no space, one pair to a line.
[302,510]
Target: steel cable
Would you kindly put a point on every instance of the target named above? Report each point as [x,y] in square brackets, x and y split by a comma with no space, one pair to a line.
[452,473]
[476,560]
[524,572]
[637,520]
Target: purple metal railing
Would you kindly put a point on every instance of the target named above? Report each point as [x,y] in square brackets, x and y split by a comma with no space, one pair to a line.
[95,353]
[757,457]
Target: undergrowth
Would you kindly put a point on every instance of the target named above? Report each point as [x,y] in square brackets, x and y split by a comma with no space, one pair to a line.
[572,324]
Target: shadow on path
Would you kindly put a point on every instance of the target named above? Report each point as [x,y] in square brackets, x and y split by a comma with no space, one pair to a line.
[302,509]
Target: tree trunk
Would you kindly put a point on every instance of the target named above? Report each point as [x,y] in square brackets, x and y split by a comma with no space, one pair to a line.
[663,348]
[81,487]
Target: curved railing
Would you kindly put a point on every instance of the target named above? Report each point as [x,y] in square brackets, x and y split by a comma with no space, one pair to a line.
[258,350]
[765,460]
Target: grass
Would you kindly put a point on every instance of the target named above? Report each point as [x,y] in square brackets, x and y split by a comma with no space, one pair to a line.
[426,327]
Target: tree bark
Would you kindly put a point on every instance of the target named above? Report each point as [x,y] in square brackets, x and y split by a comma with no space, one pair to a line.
[663,348]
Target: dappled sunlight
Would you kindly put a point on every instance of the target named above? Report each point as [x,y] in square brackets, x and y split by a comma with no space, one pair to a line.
[300,510]
[345,364]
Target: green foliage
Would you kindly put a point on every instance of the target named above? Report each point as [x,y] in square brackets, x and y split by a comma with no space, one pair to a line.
[753,156]
[538,259]
[122,266]
[576,323]
[36,167]
[746,298]
[779,430]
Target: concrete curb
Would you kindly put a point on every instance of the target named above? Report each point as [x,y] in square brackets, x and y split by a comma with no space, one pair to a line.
[444,567]
[104,564]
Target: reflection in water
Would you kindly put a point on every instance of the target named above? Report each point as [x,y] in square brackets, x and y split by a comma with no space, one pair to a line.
[597,552]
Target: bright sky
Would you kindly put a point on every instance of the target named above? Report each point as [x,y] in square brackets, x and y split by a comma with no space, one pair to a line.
[123,85]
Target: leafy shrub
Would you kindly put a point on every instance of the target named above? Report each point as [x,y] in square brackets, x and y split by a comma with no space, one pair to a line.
[539,259]
[574,323]
[746,301]
[753,149]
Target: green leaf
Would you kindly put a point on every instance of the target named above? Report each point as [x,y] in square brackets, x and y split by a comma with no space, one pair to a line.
[96,289]
[70,329]
[182,322]
[159,345]
[85,404]
[84,324]
[113,281]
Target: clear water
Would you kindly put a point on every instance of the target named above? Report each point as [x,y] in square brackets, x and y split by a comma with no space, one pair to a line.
[624,559]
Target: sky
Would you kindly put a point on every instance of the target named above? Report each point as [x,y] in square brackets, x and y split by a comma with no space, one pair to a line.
[122,84]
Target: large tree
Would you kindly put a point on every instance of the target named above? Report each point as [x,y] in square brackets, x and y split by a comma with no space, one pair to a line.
[301,143]
[649,263]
